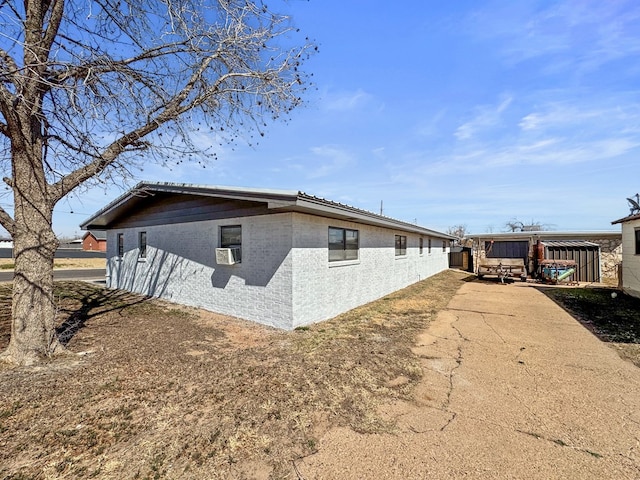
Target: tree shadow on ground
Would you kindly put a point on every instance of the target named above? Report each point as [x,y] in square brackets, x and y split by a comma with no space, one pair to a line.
[82,303]
[610,314]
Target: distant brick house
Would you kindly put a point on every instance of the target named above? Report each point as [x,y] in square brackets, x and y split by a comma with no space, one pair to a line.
[280,258]
[95,240]
[630,253]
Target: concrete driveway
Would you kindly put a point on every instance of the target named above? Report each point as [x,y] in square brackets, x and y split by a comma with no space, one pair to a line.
[513,387]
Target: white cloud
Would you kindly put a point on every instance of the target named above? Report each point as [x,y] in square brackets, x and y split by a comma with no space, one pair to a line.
[574,36]
[346,101]
[328,160]
[486,117]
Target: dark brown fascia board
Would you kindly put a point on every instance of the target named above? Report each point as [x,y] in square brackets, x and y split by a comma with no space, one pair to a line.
[628,218]
[282,200]
[101,219]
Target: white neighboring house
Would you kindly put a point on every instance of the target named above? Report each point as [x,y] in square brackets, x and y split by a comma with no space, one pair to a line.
[280,258]
[630,253]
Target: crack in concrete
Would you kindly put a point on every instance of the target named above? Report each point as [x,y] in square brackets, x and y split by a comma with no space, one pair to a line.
[481,312]
[561,443]
[484,319]
[458,360]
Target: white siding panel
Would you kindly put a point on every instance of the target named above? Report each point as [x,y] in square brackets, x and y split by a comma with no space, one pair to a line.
[630,261]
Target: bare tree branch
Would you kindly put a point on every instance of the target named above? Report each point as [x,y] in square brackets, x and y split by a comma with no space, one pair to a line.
[7,222]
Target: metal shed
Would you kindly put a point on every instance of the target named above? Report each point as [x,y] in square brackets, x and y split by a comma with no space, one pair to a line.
[585,254]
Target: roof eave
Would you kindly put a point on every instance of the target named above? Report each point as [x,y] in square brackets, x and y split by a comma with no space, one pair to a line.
[628,218]
[283,200]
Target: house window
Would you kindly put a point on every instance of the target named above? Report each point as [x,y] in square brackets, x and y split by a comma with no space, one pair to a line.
[421,245]
[429,247]
[344,244]
[401,245]
[444,245]
[142,245]
[638,241]
[231,237]
[121,245]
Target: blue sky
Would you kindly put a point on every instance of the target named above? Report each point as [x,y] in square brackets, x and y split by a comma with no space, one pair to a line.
[465,112]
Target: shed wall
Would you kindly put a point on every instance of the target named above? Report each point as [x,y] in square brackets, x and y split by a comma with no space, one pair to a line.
[587,261]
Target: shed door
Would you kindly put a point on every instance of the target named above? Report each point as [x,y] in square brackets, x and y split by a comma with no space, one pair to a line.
[505,249]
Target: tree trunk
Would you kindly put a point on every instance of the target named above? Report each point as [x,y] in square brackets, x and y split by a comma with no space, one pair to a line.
[33,334]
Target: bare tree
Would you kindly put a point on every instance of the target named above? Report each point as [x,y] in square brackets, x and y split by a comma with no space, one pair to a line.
[515,225]
[460,232]
[90,89]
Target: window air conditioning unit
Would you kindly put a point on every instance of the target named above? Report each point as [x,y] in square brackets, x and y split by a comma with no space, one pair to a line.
[228,256]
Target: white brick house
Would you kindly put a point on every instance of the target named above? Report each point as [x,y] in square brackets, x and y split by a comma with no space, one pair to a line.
[630,253]
[302,259]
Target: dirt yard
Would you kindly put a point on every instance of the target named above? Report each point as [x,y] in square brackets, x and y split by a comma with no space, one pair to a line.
[155,390]
[161,391]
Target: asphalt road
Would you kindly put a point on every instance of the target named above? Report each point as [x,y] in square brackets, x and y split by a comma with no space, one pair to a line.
[60,253]
[79,274]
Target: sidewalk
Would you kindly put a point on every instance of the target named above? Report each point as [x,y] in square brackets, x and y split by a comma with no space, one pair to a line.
[513,387]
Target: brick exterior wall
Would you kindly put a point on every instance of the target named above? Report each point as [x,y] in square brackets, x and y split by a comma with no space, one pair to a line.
[323,289]
[285,279]
[91,243]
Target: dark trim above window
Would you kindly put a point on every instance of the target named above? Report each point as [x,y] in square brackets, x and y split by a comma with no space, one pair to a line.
[401,245]
[344,244]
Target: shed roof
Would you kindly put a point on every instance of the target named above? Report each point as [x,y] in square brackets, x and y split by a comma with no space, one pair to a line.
[276,200]
[544,235]
[628,218]
[569,244]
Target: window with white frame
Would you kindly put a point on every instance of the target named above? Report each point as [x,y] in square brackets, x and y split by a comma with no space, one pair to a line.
[429,246]
[421,245]
[120,245]
[344,244]
[401,245]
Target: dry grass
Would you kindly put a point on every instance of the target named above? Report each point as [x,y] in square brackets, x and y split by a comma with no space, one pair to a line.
[171,392]
[62,263]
